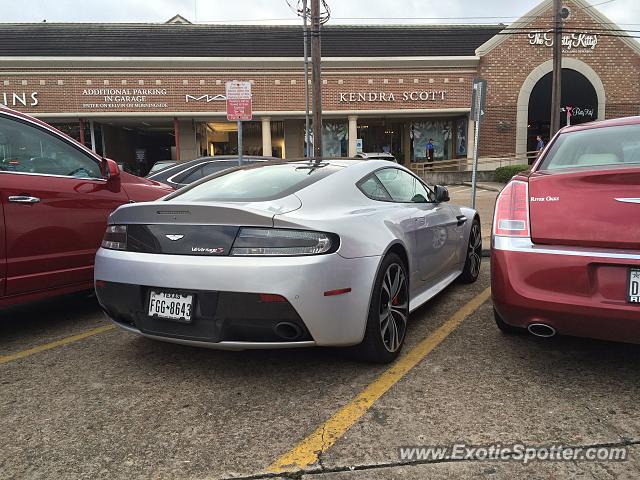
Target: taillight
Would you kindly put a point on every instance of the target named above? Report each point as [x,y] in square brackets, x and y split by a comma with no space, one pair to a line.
[275,242]
[115,238]
[511,217]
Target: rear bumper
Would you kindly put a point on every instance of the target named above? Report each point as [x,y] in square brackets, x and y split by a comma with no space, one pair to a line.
[329,320]
[578,291]
[223,345]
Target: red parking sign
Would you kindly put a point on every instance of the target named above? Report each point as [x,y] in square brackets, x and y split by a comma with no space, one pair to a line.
[239,101]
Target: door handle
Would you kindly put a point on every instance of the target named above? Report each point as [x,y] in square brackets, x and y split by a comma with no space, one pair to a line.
[461,219]
[23,199]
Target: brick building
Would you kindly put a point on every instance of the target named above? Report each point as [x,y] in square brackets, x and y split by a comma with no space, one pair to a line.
[129,91]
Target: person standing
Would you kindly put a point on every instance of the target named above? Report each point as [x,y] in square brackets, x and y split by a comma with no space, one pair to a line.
[430,149]
[539,148]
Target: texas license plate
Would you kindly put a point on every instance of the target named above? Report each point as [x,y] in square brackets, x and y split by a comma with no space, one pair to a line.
[634,285]
[175,306]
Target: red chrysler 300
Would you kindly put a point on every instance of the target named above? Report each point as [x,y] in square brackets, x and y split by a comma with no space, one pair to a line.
[55,197]
[566,237]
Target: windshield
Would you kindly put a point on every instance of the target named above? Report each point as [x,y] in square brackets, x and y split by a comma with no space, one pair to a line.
[160,166]
[258,184]
[609,146]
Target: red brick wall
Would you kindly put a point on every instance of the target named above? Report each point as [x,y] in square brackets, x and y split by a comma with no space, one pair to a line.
[271,92]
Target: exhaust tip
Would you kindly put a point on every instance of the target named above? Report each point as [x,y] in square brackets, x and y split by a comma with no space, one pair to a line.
[541,330]
[288,331]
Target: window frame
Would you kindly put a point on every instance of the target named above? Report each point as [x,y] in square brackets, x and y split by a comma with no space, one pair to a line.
[61,137]
[373,173]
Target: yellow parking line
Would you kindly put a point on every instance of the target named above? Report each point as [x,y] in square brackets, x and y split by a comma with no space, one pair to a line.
[57,343]
[307,451]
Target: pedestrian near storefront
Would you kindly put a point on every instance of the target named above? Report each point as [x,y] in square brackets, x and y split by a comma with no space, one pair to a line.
[539,148]
[430,150]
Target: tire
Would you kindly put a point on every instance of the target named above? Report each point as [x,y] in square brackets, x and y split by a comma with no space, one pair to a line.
[472,263]
[504,326]
[388,313]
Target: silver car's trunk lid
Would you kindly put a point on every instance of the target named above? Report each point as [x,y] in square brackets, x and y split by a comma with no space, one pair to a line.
[187,229]
[174,213]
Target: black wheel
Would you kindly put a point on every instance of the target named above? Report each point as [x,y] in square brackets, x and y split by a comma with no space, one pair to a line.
[388,313]
[504,326]
[474,255]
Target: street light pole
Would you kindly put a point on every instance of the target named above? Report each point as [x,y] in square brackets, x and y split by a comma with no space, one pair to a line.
[317,80]
[556,82]
[306,81]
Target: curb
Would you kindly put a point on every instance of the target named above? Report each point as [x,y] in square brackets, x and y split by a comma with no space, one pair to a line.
[483,187]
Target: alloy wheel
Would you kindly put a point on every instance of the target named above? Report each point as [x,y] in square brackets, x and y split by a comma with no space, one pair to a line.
[474,253]
[394,307]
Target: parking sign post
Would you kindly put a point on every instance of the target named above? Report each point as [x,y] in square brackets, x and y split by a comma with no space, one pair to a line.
[239,107]
[477,113]
[239,142]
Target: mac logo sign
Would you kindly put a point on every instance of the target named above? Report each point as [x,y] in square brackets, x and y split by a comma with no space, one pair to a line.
[206,98]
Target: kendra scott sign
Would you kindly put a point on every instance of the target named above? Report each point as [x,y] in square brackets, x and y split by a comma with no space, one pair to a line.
[413,96]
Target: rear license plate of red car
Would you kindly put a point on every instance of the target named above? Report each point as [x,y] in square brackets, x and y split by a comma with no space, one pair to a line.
[170,305]
[634,285]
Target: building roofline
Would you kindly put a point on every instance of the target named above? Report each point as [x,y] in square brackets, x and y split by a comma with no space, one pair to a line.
[227,62]
[439,26]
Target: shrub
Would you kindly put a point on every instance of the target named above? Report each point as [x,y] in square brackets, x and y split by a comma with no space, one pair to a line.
[504,174]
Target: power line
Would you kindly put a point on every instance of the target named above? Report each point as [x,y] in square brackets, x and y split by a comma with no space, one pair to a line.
[298,9]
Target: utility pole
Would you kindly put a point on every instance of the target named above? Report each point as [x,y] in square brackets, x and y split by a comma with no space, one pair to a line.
[307,134]
[317,80]
[556,82]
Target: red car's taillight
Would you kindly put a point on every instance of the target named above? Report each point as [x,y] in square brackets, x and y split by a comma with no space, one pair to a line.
[512,211]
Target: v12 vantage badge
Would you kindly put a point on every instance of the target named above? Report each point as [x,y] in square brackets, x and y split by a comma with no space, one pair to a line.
[210,251]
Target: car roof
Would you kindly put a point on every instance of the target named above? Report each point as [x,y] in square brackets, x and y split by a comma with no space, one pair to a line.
[613,122]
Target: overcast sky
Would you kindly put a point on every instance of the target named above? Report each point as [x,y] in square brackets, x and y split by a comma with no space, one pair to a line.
[624,12]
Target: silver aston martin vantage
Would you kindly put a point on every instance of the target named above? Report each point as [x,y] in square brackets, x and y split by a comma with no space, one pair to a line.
[290,254]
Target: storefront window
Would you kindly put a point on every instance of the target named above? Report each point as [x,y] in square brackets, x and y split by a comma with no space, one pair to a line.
[277,139]
[334,139]
[223,138]
[440,134]
[381,136]
[461,137]
[72,129]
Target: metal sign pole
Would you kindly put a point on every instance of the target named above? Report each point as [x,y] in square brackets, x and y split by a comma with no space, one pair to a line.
[477,112]
[307,134]
[239,142]
[474,175]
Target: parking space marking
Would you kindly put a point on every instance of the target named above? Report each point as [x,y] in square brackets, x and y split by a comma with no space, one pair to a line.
[57,343]
[307,452]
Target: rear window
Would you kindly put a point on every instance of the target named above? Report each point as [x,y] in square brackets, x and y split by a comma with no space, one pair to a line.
[601,147]
[257,184]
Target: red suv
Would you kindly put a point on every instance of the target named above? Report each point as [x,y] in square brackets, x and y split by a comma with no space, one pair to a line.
[566,240]
[56,197]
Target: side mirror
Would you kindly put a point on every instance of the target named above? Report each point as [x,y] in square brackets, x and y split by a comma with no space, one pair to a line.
[442,194]
[111,168]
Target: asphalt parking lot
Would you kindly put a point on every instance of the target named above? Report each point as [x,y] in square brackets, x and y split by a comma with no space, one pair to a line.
[111,405]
